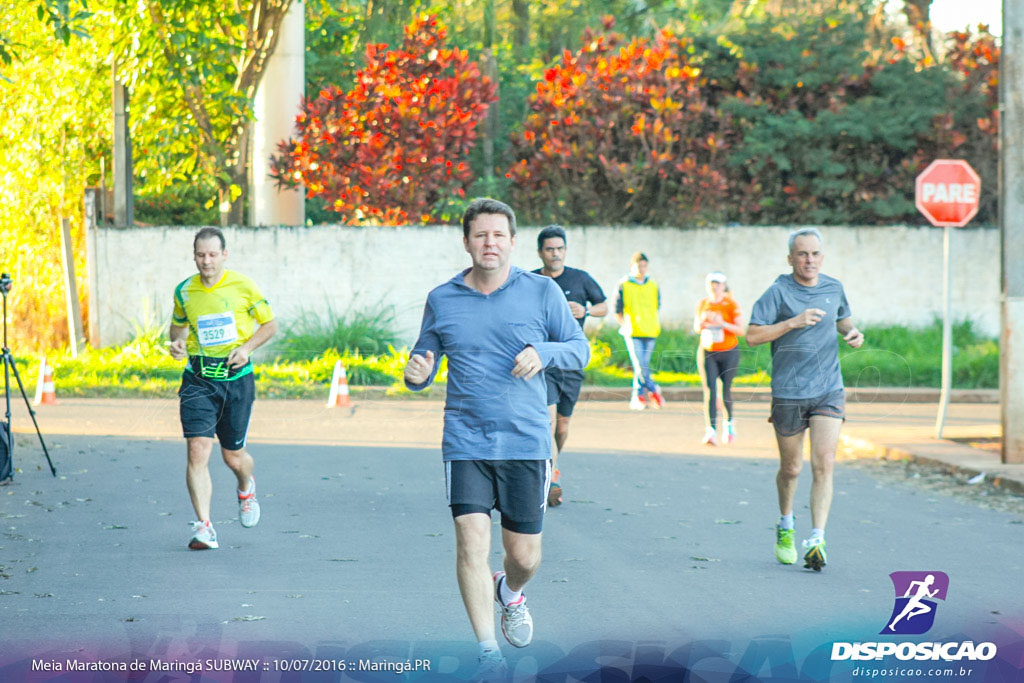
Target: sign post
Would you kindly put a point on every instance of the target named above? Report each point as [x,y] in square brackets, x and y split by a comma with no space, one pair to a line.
[947,193]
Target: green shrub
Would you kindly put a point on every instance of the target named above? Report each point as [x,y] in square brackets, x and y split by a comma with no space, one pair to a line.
[365,332]
[182,204]
[898,356]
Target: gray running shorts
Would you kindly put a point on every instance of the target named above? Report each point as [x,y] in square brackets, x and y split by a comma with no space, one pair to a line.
[790,416]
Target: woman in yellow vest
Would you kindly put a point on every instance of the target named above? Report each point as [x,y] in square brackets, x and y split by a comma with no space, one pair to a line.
[637,311]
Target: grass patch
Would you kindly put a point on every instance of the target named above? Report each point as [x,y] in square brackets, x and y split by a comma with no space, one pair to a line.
[891,356]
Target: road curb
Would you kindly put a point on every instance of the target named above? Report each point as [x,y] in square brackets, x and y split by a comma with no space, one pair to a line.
[739,394]
[962,462]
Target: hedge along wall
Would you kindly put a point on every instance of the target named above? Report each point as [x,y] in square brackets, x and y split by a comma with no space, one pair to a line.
[892,275]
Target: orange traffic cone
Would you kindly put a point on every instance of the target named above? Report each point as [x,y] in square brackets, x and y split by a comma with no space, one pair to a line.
[45,393]
[339,397]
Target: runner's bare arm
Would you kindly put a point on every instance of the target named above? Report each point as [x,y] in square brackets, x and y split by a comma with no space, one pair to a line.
[760,334]
[178,335]
[240,356]
[598,310]
[851,335]
[736,326]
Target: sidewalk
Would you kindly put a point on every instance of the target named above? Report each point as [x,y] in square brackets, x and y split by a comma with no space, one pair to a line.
[908,433]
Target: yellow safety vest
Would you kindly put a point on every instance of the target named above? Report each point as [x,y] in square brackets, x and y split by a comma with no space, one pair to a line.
[640,303]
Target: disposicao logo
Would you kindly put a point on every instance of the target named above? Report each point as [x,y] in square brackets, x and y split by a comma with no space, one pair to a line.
[916,593]
[913,614]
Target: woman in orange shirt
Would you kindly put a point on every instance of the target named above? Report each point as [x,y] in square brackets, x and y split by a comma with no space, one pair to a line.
[719,322]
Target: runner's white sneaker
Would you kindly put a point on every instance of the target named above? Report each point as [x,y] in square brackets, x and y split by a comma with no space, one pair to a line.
[249,507]
[203,536]
[710,438]
[492,667]
[516,622]
[637,403]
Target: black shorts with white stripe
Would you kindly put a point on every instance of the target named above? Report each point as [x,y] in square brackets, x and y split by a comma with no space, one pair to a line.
[518,489]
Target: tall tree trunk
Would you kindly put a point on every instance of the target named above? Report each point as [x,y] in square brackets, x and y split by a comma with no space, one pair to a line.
[228,150]
[490,69]
[521,33]
[240,174]
[918,14]
[917,11]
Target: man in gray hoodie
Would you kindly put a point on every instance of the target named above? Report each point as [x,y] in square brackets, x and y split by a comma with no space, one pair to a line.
[500,326]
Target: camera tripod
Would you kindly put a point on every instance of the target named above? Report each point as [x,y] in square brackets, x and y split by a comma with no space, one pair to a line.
[9,367]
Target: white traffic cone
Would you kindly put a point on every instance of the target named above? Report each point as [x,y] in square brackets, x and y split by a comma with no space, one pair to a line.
[339,397]
[45,393]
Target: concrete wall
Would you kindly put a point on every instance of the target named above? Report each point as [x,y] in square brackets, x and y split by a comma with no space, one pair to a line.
[892,275]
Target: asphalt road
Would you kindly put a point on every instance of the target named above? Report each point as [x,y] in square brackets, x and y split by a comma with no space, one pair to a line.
[660,558]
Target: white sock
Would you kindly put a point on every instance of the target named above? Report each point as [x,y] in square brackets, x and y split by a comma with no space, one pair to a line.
[489,646]
[817,533]
[508,596]
[248,490]
[786,521]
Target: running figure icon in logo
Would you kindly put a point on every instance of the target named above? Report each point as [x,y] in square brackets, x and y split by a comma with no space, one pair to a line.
[913,590]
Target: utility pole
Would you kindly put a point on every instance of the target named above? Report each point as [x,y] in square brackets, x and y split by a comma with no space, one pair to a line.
[277,103]
[1011,231]
[124,210]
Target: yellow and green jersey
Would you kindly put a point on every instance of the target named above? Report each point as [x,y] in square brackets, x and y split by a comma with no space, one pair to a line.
[220,318]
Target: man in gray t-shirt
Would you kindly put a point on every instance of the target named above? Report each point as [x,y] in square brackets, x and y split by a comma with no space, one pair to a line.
[800,315]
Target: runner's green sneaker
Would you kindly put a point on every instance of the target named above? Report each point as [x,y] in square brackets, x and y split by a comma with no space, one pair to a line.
[785,549]
[815,556]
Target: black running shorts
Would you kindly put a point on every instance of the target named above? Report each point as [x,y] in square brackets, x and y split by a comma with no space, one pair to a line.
[563,389]
[221,408]
[790,416]
[516,488]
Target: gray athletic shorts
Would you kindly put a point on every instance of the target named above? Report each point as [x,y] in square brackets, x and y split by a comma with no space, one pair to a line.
[790,416]
[516,488]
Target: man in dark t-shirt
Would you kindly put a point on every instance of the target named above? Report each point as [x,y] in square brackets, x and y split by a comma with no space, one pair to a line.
[564,385]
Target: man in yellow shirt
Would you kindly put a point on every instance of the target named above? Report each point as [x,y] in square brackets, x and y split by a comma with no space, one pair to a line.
[220,317]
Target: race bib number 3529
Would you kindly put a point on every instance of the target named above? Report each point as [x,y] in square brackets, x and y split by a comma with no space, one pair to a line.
[216,329]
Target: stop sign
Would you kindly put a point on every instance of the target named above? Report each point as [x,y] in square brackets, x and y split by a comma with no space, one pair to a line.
[947,192]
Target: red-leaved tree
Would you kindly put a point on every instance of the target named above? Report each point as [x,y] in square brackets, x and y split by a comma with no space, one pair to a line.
[394,147]
[973,133]
[620,132]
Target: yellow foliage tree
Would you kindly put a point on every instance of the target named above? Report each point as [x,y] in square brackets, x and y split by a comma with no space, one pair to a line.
[56,122]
